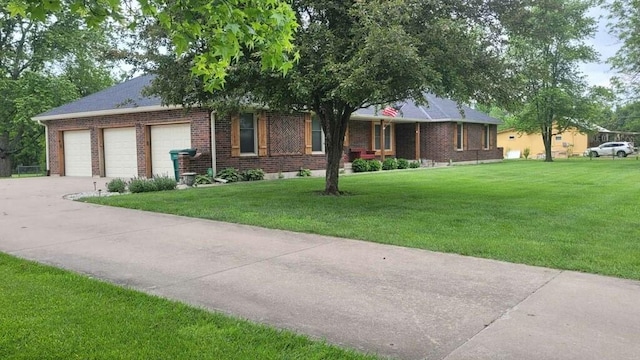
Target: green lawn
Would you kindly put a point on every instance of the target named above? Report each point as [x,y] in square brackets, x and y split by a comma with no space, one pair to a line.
[573,214]
[47,313]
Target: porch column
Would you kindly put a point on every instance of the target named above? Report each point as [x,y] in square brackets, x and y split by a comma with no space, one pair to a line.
[382,140]
[418,141]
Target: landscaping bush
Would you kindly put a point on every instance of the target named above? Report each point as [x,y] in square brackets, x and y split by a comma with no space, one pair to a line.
[253,175]
[414,164]
[359,165]
[374,165]
[403,164]
[202,180]
[390,164]
[230,174]
[140,185]
[164,183]
[117,185]
[304,172]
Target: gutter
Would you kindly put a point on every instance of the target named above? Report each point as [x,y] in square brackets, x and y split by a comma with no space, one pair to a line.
[46,145]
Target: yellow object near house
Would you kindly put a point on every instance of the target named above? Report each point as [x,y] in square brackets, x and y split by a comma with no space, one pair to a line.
[569,143]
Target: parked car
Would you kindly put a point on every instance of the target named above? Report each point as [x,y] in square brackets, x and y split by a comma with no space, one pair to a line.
[614,148]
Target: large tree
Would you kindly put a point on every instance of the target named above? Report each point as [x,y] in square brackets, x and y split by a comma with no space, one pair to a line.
[546,49]
[625,23]
[43,64]
[356,54]
[221,29]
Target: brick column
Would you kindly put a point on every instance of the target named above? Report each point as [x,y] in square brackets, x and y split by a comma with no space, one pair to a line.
[184,163]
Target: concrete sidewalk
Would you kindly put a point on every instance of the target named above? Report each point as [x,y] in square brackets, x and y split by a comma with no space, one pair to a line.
[397,302]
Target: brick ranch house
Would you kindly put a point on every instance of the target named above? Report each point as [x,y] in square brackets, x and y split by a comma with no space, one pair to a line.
[118,132]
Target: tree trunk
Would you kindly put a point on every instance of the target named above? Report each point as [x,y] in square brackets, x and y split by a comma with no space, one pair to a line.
[335,127]
[546,139]
[5,159]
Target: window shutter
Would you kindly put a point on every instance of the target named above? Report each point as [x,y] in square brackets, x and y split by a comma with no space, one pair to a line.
[307,134]
[465,137]
[235,135]
[262,134]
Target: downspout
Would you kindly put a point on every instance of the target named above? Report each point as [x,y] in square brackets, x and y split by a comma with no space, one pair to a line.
[46,145]
[213,143]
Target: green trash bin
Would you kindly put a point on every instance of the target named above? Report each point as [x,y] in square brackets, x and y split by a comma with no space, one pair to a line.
[174,159]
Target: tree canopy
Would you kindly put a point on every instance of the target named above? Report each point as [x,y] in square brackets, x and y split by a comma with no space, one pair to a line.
[43,64]
[545,49]
[625,23]
[219,29]
[354,54]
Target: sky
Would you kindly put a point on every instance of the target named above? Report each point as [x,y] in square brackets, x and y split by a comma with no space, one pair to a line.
[606,45]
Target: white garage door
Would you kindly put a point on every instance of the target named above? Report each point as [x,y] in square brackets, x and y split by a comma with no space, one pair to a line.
[77,153]
[120,155]
[165,138]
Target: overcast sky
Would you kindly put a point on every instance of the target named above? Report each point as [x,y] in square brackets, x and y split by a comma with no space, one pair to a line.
[599,73]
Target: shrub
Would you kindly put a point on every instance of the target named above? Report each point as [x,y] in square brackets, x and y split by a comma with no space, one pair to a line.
[304,172]
[117,185]
[374,165]
[140,185]
[403,164]
[359,165]
[253,175]
[230,174]
[390,164]
[164,183]
[526,152]
[202,179]
[414,164]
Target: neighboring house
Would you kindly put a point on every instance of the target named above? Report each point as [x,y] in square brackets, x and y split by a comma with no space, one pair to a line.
[118,132]
[571,142]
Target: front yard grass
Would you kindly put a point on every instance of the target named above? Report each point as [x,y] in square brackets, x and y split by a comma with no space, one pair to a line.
[570,214]
[47,313]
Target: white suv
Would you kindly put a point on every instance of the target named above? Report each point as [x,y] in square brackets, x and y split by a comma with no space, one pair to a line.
[616,148]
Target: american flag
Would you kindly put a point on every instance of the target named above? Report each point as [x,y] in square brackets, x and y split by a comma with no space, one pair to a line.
[390,111]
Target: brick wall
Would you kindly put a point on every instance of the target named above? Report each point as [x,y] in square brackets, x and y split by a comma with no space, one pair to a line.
[273,162]
[438,143]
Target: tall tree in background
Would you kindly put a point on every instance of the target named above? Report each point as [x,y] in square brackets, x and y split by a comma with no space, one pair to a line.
[356,54]
[546,48]
[625,23]
[43,64]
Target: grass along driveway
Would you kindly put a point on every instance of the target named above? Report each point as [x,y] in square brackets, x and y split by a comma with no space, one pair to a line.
[47,313]
[573,214]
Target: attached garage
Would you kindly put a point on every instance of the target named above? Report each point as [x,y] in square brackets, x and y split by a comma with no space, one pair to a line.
[77,153]
[120,152]
[165,138]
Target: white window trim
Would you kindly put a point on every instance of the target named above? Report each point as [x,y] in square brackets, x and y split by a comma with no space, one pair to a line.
[322,146]
[391,136]
[255,135]
[460,145]
[487,136]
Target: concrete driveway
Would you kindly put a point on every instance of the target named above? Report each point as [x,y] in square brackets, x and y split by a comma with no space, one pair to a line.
[397,302]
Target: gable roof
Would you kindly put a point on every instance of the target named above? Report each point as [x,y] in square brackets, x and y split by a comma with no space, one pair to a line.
[127,98]
[437,110]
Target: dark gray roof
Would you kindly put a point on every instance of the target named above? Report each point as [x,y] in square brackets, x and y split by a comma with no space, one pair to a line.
[128,95]
[122,96]
[438,109]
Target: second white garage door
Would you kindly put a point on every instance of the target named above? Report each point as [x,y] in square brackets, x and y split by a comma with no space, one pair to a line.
[120,154]
[77,153]
[165,138]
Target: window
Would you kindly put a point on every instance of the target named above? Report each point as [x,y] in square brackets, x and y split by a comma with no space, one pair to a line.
[388,130]
[486,137]
[247,134]
[317,135]
[459,136]
[512,137]
[558,138]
